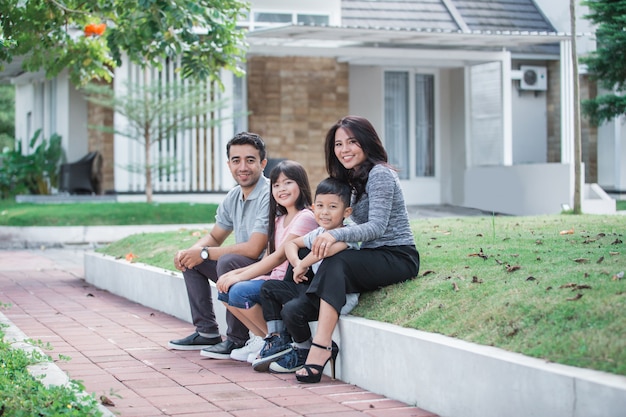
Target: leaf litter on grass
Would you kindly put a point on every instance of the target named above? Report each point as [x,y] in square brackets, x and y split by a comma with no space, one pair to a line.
[519,304]
[509,295]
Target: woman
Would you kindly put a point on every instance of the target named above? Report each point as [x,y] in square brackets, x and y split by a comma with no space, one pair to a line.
[355,154]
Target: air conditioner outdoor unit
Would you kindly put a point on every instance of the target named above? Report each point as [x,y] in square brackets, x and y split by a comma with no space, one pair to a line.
[534,78]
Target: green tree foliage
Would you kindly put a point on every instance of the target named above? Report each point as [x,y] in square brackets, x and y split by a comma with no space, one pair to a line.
[155,112]
[53,35]
[607,63]
[7,116]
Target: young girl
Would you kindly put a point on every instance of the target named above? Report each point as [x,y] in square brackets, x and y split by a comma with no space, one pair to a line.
[239,290]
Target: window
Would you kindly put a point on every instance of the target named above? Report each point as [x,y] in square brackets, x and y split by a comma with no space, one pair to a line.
[424,125]
[397,121]
[312,19]
[262,19]
[410,123]
[486,147]
[272,17]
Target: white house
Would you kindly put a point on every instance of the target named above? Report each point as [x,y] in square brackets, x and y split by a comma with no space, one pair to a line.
[473,100]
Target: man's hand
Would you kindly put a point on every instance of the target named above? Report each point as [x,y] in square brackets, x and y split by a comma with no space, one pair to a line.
[177,263]
[187,259]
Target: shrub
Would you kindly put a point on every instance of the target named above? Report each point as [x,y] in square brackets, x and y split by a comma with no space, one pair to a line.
[23,395]
[34,173]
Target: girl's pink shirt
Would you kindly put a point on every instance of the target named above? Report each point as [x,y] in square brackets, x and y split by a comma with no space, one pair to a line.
[300,225]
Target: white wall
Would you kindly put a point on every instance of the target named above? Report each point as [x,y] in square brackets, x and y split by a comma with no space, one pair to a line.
[612,154]
[366,93]
[55,106]
[72,126]
[558,13]
[24,96]
[521,190]
[530,125]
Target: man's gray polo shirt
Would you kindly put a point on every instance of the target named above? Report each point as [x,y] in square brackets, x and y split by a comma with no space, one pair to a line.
[245,217]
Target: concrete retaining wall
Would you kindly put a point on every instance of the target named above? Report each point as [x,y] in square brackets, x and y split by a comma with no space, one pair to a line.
[444,375]
[12,237]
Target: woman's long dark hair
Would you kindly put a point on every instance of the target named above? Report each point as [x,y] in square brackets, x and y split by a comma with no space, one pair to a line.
[293,171]
[362,130]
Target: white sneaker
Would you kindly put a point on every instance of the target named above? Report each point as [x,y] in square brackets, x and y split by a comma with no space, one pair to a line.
[252,357]
[252,346]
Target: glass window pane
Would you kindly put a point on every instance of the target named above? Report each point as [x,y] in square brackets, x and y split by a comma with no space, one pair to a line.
[424,125]
[311,19]
[397,121]
[486,146]
[272,17]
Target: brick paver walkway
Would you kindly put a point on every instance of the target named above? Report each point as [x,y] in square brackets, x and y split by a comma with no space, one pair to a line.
[119,349]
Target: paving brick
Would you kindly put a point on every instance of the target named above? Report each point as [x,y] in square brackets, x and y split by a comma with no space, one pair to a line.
[119,349]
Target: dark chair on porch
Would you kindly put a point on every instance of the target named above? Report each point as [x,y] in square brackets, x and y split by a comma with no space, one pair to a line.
[83,176]
[271,163]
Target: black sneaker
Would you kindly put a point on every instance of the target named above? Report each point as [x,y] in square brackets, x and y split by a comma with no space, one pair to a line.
[221,350]
[291,362]
[275,346]
[194,342]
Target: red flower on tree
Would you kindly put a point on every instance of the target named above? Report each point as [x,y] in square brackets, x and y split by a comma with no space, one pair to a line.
[95,29]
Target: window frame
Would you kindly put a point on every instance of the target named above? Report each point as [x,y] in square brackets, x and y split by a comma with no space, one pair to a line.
[412,122]
[252,24]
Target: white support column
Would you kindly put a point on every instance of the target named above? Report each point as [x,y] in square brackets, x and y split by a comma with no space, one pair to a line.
[507,110]
[620,153]
[467,83]
[121,147]
[567,113]
[567,104]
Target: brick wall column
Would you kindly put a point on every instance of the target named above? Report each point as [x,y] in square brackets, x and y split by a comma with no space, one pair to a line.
[102,141]
[292,103]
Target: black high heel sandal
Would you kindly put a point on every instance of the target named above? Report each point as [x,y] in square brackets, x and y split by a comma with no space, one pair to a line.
[312,377]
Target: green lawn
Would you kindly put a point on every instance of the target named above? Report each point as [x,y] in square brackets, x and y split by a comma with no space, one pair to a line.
[76,214]
[547,286]
[551,287]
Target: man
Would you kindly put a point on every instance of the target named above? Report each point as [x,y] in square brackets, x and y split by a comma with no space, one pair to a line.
[245,212]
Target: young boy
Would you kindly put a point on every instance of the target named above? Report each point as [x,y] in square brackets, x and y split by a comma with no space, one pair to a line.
[286,307]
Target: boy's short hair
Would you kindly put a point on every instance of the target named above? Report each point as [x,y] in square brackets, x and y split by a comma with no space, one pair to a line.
[337,187]
[247,138]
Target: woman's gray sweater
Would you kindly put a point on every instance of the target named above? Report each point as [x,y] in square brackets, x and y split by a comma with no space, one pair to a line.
[380,215]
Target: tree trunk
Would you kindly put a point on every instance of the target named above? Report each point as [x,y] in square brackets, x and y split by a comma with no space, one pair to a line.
[577,133]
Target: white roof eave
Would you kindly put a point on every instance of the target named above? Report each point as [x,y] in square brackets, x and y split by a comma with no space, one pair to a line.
[347,36]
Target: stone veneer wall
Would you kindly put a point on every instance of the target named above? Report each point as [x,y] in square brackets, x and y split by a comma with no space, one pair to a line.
[589,134]
[554,112]
[292,103]
[101,141]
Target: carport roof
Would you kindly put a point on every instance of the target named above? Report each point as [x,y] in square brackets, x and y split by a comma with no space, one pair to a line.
[354,36]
